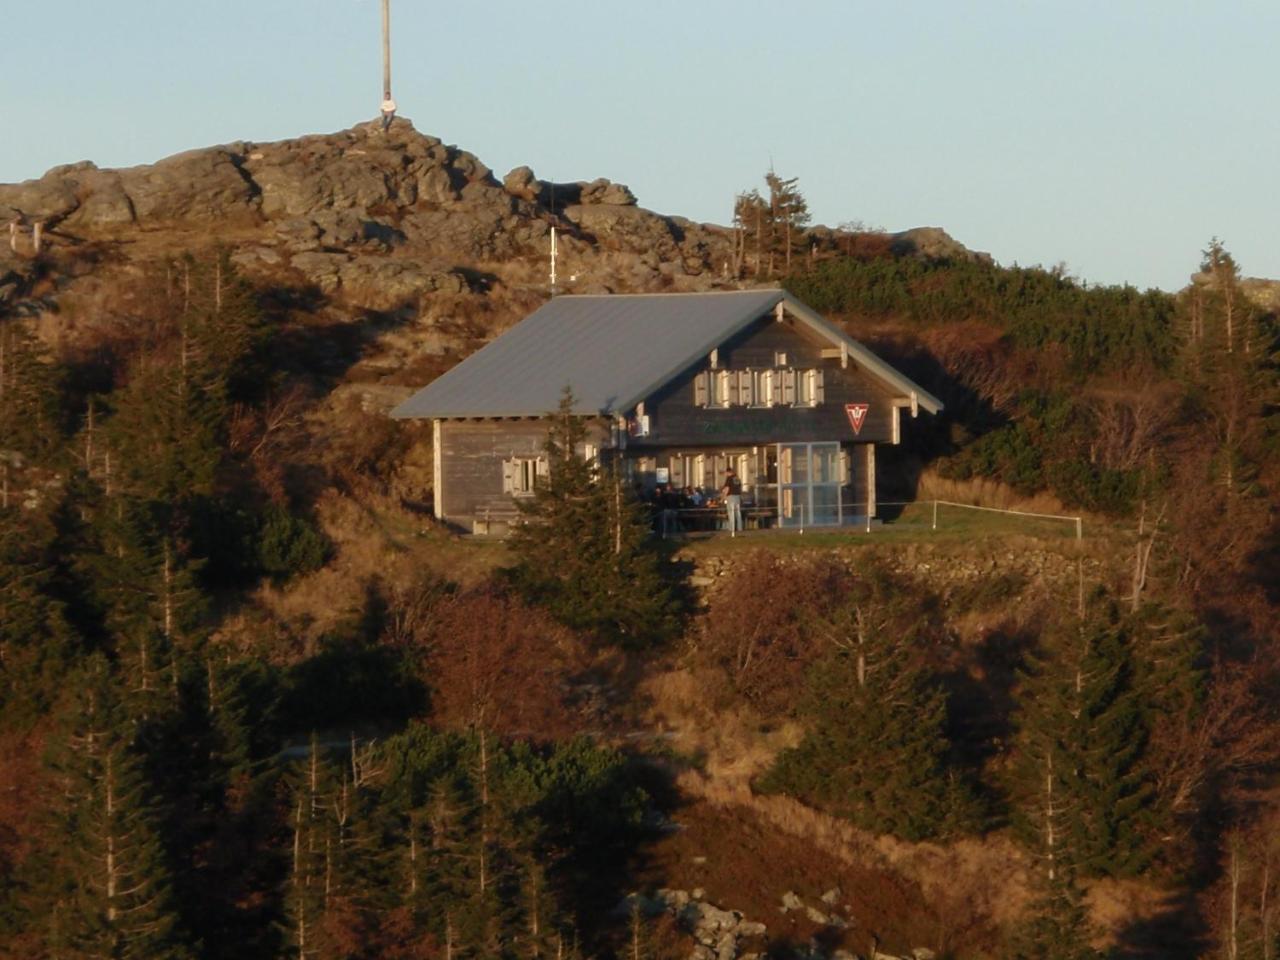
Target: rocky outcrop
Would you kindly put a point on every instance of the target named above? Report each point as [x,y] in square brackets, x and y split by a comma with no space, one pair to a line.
[933,243]
[371,220]
[721,934]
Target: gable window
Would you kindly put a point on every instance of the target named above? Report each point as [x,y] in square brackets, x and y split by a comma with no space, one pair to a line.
[763,387]
[724,384]
[809,388]
[520,475]
[779,358]
[787,390]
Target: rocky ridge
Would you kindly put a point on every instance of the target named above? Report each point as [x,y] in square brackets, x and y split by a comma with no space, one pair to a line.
[379,220]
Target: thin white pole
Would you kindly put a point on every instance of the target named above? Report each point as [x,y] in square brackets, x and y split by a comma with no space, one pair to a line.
[386,49]
[553,259]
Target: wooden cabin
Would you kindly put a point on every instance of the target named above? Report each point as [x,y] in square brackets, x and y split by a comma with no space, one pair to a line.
[681,387]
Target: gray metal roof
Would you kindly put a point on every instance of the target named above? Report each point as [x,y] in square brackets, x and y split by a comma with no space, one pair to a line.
[613,350]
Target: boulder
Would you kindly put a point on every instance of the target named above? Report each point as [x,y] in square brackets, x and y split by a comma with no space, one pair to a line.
[604,191]
[816,916]
[200,185]
[521,183]
[436,184]
[384,283]
[933,243]
[321,269]
[50,199]
[631,229]
[790,901]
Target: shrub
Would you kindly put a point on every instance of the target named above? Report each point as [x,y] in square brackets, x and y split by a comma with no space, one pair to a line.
[289,545]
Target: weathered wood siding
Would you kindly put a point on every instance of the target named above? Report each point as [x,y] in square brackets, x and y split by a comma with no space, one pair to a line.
[676,420]
[471,455]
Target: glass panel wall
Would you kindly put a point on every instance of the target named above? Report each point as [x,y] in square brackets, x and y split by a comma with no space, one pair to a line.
[809,483]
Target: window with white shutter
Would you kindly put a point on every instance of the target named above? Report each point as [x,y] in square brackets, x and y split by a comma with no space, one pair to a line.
[700,383]
[788,386]
[721,390]
[809,388]
[520,475]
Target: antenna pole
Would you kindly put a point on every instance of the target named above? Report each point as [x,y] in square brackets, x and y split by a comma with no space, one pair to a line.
[386,49]
[553,259]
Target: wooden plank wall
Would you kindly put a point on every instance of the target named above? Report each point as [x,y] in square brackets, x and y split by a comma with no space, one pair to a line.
[471,455]
[676,420]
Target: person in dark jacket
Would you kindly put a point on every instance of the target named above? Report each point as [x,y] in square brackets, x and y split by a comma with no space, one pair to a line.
[731,492]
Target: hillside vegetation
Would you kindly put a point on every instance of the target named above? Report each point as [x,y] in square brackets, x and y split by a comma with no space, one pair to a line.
[254,702]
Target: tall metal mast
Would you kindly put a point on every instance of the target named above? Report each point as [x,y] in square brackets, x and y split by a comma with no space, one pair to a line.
[386,49]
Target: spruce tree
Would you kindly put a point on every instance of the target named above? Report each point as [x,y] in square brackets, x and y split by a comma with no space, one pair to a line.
[31,414]
[1055,926]
[36,643]
[876,749]
[108,890]
[1082,791]
[584,550]
[1227,358]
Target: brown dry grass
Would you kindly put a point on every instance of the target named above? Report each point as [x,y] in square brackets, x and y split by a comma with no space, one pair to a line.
[744,861]
[729,743]
[984,492]
[375,538]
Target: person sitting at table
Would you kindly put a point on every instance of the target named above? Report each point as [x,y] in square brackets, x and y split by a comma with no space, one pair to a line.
[694,496]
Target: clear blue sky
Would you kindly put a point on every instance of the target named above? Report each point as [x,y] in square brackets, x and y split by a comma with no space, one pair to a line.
[1114,136]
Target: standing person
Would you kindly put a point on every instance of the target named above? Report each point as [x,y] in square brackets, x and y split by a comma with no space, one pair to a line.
[388,110]
[732,493]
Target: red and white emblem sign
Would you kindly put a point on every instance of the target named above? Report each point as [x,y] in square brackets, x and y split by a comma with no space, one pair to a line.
[857,413]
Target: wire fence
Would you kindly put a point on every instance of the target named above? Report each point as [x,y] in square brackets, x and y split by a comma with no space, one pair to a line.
[672,521]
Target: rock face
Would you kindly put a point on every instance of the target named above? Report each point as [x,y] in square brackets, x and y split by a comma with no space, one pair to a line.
[933,243]
[376,220]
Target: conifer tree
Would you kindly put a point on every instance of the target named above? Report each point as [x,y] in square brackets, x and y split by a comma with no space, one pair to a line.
[876,748]
[1082,792]
[36,643]
[109,887]
[146,586]
[1227,356]
[584,549]
[30,394]
[1055,926]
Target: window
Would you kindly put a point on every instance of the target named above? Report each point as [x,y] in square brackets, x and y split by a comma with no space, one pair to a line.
[724,388]
[810,388]
[788,388]
[520,475]
[779,358]
[762,387]
[700,389]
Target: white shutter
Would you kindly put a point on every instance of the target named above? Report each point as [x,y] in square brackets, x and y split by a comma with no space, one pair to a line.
[508,476]
[788,386]
[700,389]
[819,389]
[732,378]
[543,467]
[744,388]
